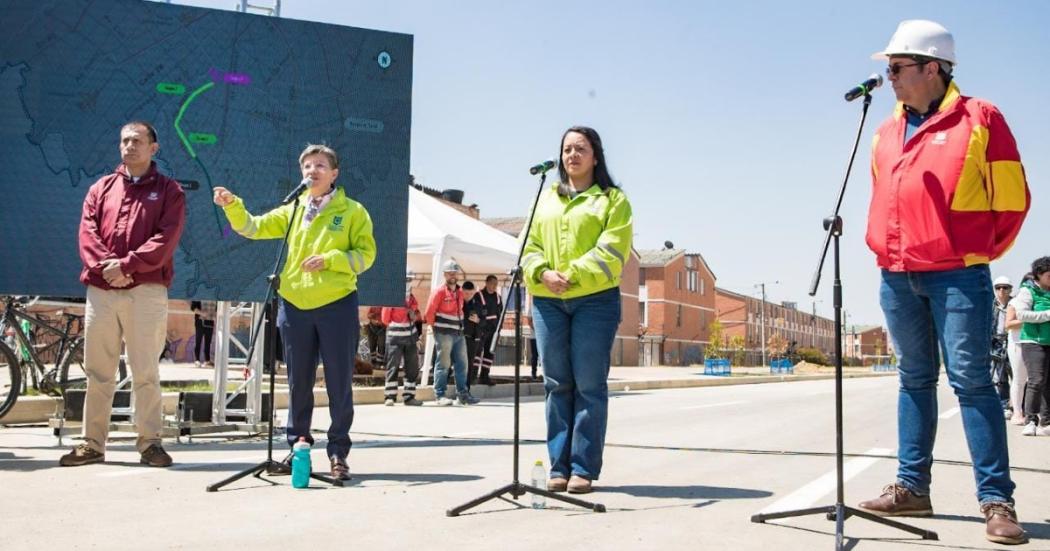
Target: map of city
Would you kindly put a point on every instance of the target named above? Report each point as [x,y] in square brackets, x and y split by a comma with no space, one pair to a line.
[234,97]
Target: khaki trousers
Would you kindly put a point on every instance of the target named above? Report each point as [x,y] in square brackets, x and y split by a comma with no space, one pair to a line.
[138,317]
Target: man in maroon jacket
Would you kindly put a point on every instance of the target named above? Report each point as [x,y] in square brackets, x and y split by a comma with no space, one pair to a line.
[129,230]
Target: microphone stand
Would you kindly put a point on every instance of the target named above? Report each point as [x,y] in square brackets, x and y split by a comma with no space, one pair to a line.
[516,488]
[839,511]
[269,466]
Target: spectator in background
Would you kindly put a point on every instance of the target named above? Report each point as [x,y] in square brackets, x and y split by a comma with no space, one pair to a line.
[204,330]
[375,331]
[1033,309]
[471,317]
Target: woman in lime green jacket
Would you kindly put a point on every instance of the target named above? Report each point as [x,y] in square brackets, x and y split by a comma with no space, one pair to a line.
[330,243]
[574,256]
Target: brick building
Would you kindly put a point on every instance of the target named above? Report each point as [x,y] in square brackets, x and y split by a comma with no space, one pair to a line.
[676,307]
[742,316]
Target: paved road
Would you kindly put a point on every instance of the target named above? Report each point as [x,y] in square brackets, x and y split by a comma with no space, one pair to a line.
[683,469]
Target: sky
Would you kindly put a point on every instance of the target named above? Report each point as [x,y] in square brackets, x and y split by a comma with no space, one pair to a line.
[723,121]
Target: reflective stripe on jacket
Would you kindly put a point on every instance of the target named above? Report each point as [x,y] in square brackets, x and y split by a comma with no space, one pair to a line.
[445,310]
[587,238]
[953,196]
[341,233]
[399,321]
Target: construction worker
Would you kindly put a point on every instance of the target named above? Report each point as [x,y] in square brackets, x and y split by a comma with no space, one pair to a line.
[573,259]
[948,196]
[445,315]
[488,304]
[401,338]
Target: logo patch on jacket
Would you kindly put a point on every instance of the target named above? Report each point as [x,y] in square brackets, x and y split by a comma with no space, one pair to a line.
[337,223]
[940,138]
[153,196]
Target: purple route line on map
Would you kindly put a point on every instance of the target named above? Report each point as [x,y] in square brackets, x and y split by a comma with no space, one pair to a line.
[218,76]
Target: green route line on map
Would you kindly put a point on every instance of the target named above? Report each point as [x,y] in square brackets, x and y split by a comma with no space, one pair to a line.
[189,148]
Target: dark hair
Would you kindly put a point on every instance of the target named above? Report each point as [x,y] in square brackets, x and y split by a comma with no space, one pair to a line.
[944,69]
[468,285]
[1027,278]
[601,171]
[149,128]
[1040,266]
[491,277]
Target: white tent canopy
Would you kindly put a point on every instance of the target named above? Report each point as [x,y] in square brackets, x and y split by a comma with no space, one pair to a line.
[438,233]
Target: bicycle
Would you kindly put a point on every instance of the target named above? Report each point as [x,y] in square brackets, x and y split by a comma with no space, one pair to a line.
[28,367]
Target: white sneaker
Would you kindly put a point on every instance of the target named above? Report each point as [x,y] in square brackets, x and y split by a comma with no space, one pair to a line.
[196,364]
[1043,430]
[444,401]
[389,402]
[1029,429]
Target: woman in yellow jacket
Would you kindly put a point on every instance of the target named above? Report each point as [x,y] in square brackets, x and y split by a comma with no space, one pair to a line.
[330,243]
[574,256]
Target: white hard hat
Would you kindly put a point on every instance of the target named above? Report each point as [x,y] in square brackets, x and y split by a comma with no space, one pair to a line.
[920,37]
[450,266]
[1002,280]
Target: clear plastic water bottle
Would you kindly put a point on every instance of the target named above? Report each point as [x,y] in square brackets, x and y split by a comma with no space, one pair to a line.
[539,480]
[301,463]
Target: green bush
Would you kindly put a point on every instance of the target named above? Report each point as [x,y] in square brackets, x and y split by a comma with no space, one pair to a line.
[812,356]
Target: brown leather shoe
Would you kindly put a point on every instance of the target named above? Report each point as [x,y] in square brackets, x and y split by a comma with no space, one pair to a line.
[340,470]
[155,456]
[1001,524]
[558,484]
[579,485]
[81,455]
[898,501]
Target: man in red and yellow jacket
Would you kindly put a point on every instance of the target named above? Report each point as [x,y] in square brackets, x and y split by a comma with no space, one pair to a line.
[948,197]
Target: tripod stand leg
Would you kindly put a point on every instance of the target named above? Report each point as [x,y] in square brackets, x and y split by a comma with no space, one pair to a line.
[256,470]
[455,511]
[925,534]
[596,507]
[763,517]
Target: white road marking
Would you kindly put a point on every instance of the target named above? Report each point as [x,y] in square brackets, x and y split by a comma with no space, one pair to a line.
[948,414]
[808,495]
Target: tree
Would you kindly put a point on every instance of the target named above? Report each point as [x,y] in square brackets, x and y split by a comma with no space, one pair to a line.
[777,345]
[715,335]
[737,345]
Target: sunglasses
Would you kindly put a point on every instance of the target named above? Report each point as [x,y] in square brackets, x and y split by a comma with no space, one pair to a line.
[895,69]
[1001,287]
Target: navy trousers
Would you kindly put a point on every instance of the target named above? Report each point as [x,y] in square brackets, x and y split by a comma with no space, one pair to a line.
[330,334]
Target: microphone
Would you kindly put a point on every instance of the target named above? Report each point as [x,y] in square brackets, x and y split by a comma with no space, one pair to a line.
[306,183]
[864,88]
[542,167]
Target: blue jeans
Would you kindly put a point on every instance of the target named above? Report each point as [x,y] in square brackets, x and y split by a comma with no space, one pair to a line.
[451,348]
[947,312]
[575,339]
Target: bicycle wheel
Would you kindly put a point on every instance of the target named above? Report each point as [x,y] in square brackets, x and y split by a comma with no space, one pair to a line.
[10,379]
[73,361]
[71,374]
